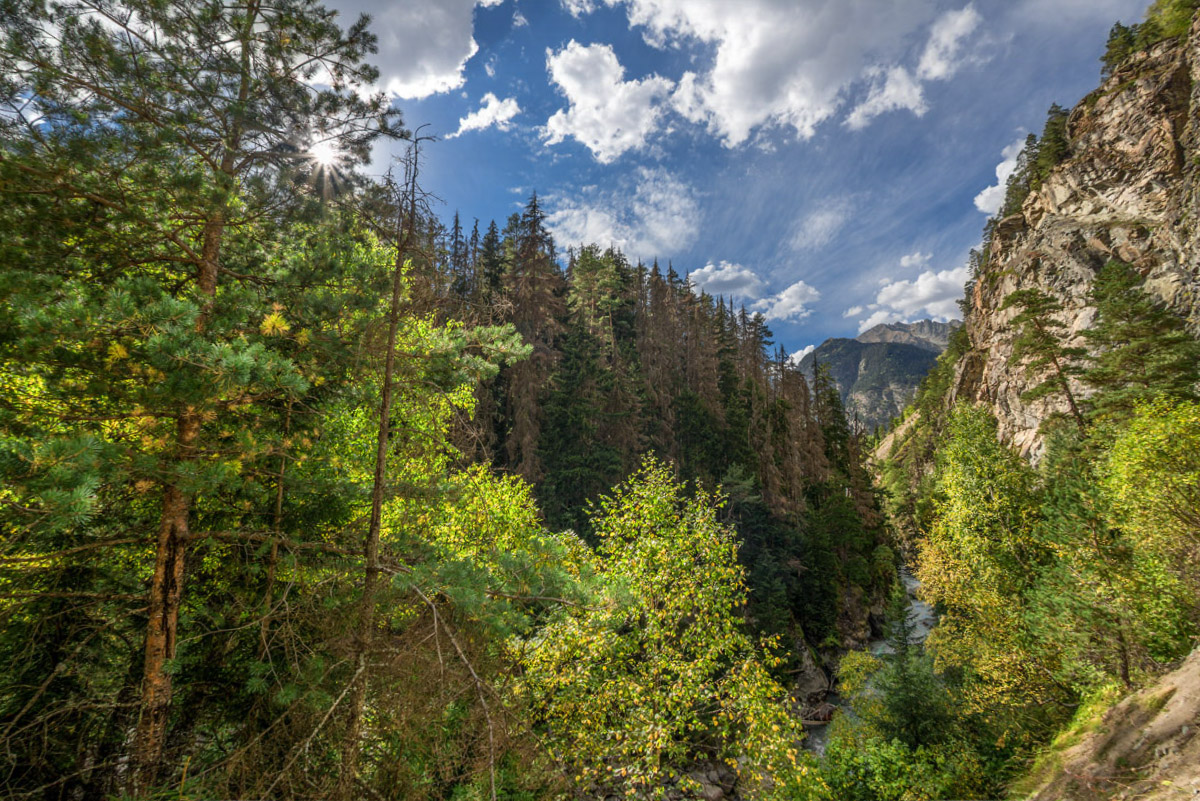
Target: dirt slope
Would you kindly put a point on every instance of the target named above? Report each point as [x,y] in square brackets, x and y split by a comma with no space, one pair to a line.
[1145,747]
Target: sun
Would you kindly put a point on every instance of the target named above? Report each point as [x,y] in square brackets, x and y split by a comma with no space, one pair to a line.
[325,154]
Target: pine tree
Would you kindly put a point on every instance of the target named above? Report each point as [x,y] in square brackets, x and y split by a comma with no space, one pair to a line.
[1053,147]
[1038,347]
[1020,183]
[175,127]
[1141,349]
[1119,47]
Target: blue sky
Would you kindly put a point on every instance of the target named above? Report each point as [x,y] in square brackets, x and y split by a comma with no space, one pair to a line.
[823,161]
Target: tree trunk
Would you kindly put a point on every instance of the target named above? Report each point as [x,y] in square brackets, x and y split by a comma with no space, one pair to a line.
[366,615]
[166,590]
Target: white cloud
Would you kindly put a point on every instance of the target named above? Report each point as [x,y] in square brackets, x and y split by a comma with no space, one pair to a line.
[578,8]
[492,112]
[726,280]
[607,114]
[897,88]
[799,355]
[519,19]
[917,259]
[930,295]
[817,229]
[653,215]
[881,316]
[791,304]
[991,199]
[853,311]
[423,47]
[940,60]
[792,63]
[891,90]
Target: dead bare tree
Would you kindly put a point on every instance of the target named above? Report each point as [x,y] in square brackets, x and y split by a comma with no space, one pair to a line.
[410,203]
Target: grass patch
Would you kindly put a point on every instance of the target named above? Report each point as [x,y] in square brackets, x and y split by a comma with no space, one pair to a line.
[1154,703]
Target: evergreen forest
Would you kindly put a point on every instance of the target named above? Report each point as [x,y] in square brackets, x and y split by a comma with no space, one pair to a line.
[309,490]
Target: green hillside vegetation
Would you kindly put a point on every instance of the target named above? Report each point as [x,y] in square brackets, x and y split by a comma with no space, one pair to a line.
[1058,581]
[1060,586]
[307,495]
[1165,19]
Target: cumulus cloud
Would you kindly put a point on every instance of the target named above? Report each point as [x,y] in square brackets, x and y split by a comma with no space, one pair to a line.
[991,199]
[791,304]
[493,112]
[799,355]
[932,295]
[917,259]
[606,113]
[853,311]
[578,8]
[652,214]
[726,279]
[791,64]
[892,90]
[818,228]
[423,47]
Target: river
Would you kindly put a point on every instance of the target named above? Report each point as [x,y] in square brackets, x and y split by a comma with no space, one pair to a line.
[922,618]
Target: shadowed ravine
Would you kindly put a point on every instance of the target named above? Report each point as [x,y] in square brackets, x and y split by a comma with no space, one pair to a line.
[921,617]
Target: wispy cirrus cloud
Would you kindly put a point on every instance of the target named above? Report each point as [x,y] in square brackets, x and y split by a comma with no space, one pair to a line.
[651,214]
[817,228]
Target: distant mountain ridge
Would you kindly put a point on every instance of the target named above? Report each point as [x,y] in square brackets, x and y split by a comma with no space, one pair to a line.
[878,372]
[926,334]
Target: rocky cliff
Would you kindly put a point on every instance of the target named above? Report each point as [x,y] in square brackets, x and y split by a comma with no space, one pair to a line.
[1129,190]
[878,373]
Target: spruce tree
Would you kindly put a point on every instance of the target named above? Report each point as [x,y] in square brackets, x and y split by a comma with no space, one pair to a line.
[534,285]
[1141,349]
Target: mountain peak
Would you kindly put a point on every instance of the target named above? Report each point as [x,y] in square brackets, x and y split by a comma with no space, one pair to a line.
[927,334]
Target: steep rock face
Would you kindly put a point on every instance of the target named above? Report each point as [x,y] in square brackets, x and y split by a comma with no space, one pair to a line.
[878,373]
[1129,191]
